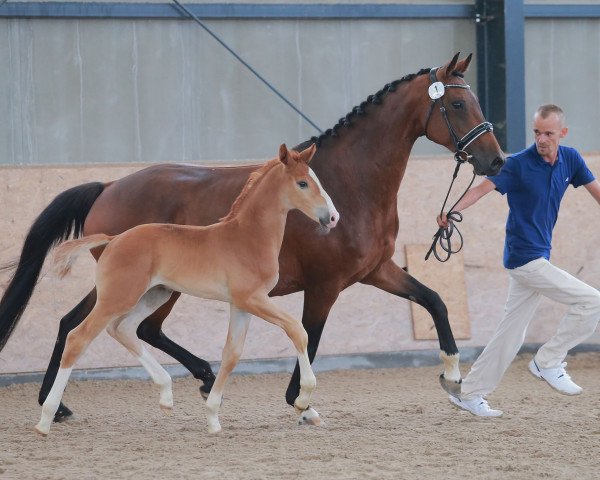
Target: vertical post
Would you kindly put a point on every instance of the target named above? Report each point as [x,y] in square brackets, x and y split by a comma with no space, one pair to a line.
[501,68]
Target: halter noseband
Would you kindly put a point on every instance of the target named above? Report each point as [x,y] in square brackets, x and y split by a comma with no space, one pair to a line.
[436,92]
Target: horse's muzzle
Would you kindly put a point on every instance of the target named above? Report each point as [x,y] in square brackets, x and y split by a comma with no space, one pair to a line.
[330,219]
[491,169]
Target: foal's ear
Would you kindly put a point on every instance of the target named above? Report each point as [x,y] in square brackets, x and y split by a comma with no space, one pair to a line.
[307,154]
[463,65]
[283,154]
[452,65]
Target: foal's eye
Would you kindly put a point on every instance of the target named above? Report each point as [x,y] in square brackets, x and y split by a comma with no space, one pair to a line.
[457,105]
[303,184]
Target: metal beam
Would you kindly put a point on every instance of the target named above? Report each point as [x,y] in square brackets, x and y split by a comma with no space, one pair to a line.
[514,51]
[501,69]
[566,10]
[234,10]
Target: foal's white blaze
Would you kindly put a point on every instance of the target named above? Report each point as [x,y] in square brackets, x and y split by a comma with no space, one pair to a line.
[53,400]
[334,215]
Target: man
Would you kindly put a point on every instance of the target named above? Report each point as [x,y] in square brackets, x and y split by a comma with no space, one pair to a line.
[534,181]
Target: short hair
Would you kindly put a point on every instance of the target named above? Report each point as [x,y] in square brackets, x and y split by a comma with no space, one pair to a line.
[546,110]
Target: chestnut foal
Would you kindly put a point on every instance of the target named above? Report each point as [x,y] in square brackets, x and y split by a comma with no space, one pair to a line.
[235,260]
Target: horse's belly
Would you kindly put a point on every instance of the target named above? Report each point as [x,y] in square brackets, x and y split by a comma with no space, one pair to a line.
[203,288]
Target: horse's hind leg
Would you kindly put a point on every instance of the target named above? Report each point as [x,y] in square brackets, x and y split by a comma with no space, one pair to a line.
[124,331]
[77,341]
[150,332]
[393,279]
[67,323]
[232,351]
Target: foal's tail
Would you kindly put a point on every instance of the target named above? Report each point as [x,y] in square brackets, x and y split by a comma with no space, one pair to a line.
[66,253]
[64,216]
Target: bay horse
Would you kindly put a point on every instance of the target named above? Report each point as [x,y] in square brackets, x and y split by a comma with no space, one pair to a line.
[235,261]
[360,161]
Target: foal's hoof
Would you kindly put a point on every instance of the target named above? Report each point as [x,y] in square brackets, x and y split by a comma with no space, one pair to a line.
[450,386]
[166,409]
[41,430]
[310,417]
[63,413]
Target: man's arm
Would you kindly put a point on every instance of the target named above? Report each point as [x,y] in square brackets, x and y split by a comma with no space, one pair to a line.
[474,194]
[594,188]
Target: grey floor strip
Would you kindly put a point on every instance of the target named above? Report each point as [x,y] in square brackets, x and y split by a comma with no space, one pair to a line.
[324,363]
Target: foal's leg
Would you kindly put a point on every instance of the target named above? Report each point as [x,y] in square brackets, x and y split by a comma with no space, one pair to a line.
[232,351]
[77,341]
[67,323]
[262,306]
[317,305]
[124,331]
[150,332]
[393,279]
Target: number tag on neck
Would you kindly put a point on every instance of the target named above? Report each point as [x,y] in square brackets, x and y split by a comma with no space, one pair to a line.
[436,90]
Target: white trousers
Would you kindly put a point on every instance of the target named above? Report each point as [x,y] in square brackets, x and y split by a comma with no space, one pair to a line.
[527,285]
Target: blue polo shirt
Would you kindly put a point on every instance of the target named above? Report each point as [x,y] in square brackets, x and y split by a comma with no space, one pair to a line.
[534,191]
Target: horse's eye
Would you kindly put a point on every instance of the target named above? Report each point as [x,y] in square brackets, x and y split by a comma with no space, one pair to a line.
[303,184]
[457,105]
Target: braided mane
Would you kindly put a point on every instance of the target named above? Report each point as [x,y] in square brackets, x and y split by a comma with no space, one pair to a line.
[359,110]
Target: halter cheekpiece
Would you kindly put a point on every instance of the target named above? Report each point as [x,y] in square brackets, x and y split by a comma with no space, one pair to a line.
[436,92]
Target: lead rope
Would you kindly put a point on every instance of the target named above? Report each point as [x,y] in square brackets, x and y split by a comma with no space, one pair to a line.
[443,235]
[190,14]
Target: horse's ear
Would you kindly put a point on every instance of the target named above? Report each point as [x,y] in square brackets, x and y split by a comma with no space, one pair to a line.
[308,153]
[463,65]
[283,154]
[452,65]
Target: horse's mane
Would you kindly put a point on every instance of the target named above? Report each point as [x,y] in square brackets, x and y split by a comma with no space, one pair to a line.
[359,110]
[250,183]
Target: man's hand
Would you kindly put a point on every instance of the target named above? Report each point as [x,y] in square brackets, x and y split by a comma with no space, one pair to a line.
[442,221]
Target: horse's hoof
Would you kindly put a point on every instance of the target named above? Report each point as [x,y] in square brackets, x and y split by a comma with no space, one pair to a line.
[41,430]
[166,409]
[310,417]
[450,386]
[62,414]
[205,390]
[214,428]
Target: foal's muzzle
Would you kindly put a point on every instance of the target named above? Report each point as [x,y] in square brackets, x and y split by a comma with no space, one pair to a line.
[329,219]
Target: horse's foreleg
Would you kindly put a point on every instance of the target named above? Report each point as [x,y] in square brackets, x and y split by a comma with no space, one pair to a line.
[124,331]
[263,306]
[67,323]
[393,279]
[317,305]
[77,341]
[232,351]
[150,332]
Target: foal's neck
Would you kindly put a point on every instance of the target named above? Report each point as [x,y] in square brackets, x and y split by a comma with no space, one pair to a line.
[264,211]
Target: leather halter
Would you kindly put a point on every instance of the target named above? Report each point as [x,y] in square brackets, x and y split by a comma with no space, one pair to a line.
[443,235]
[460,154]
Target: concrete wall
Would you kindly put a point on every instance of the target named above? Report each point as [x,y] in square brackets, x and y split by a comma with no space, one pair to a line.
[101,91]
[562,58]
[362,320]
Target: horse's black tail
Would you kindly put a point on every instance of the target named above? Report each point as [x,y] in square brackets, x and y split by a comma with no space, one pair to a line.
[64,216]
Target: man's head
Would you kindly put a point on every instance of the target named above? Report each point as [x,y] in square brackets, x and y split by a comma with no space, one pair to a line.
[549,128]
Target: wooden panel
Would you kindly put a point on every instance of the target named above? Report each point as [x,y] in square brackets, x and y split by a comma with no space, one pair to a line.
[448,280]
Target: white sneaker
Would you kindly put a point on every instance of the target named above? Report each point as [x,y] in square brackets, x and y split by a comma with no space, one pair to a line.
[556,377]
[478,406]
